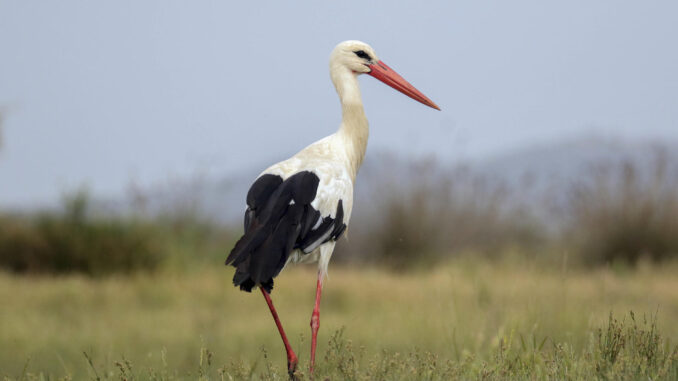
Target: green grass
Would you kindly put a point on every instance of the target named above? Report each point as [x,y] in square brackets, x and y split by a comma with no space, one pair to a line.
[468,319]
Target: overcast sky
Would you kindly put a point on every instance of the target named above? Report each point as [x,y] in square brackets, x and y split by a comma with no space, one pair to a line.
[105,93]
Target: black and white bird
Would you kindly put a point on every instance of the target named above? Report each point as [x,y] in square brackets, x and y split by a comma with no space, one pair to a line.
[298,208]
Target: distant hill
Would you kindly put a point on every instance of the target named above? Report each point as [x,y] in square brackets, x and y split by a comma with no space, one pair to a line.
[565,161]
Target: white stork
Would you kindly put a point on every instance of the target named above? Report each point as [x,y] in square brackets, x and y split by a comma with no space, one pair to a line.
[298,208]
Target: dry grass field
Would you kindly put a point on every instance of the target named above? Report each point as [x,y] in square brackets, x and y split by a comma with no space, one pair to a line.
[470,318]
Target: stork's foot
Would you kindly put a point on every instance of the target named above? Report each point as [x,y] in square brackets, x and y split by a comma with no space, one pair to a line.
[292,362]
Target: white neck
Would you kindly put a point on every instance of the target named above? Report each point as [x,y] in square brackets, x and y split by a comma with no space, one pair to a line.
[354,129]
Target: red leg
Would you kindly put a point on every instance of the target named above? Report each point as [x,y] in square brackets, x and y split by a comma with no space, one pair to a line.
[291,357]
[315,320]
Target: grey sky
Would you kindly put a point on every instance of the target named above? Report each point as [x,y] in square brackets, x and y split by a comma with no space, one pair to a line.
[104,93]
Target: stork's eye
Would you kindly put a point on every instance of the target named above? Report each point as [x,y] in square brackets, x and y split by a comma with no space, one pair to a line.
[362,54]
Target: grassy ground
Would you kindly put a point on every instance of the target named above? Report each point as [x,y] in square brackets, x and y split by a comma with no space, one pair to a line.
[467,319]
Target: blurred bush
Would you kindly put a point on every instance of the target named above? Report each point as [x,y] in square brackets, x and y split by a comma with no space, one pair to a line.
[626,213]
[438,212]
[613,213]
[619,211]
[74,241]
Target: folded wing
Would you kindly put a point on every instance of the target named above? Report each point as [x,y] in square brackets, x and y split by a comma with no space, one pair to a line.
[279,219]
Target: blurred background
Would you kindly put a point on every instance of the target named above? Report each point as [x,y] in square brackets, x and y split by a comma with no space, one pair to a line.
[130,133]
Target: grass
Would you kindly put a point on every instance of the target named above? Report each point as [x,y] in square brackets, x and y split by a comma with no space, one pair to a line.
[468,319]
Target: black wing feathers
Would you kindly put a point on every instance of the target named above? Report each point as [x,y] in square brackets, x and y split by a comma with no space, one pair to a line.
[279,218]
[339,225]
[261,190]
[311,216]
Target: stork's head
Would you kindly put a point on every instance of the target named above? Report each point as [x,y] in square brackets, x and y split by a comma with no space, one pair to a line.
[360,58]
[355,55]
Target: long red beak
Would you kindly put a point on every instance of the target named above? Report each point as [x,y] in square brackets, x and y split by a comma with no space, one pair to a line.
[387,75]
